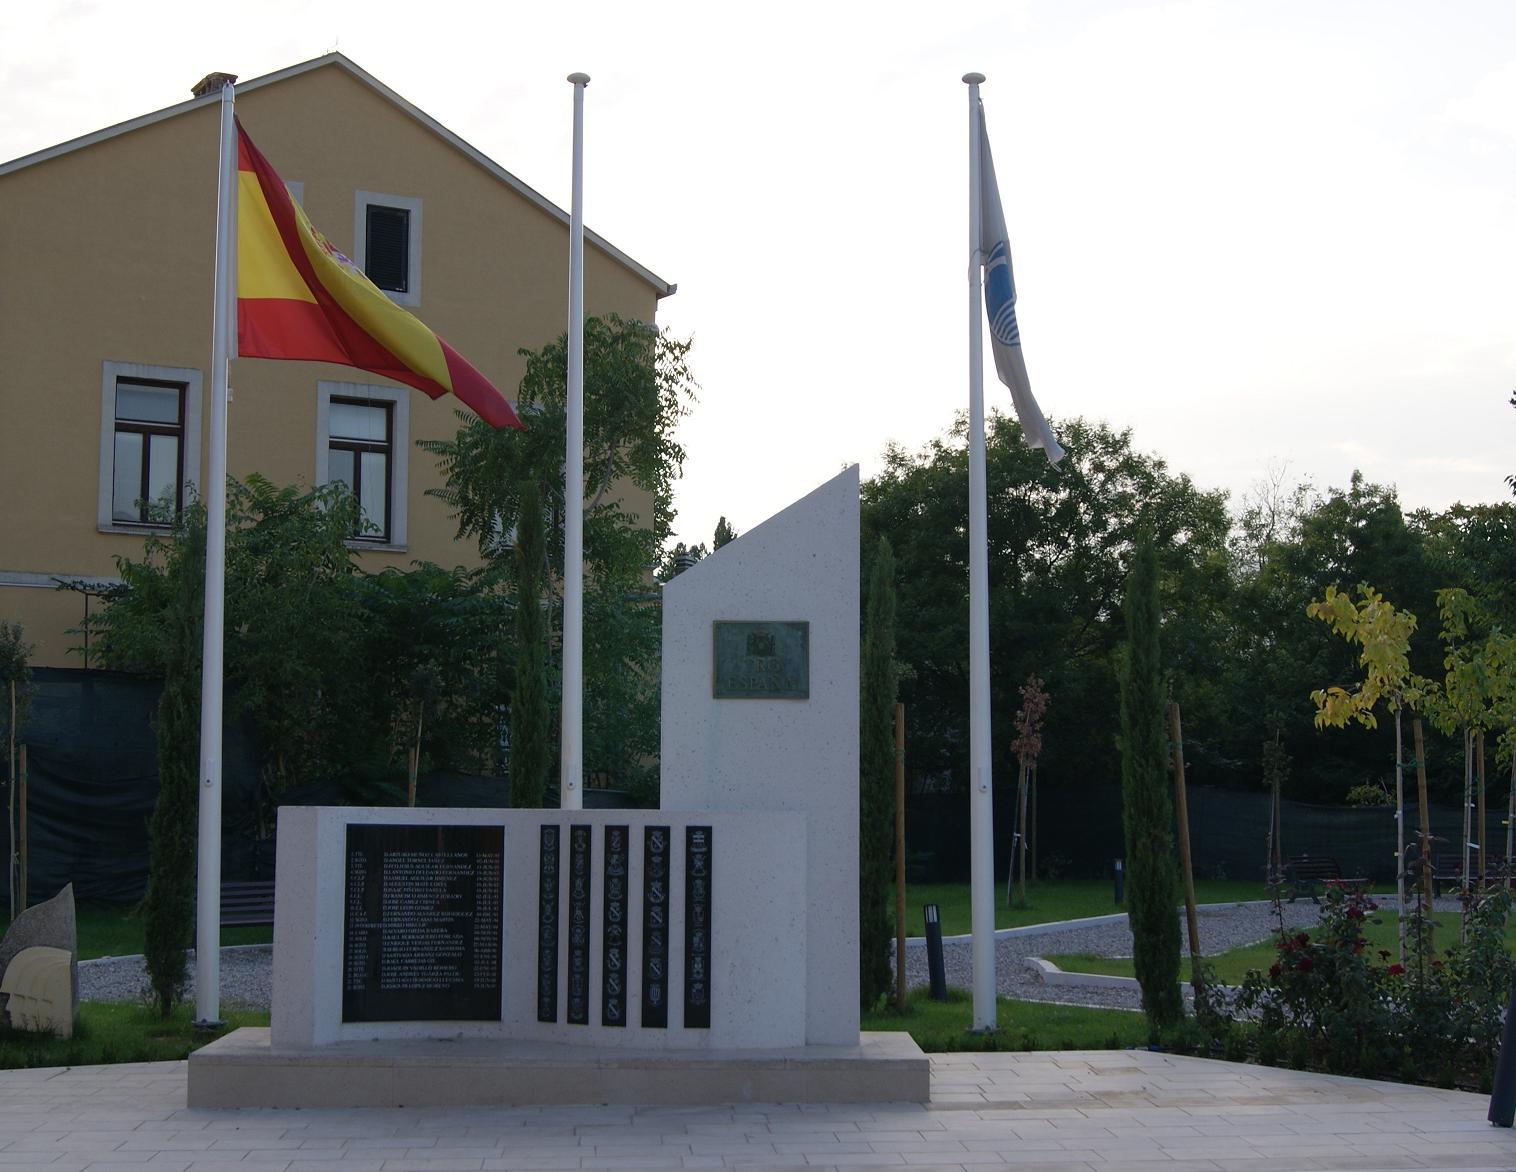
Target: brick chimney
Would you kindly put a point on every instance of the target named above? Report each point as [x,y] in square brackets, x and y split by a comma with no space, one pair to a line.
[211,83]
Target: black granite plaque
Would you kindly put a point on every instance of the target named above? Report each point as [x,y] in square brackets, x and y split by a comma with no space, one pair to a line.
[613,927]
[580,847]
[423,923]
[761,661]
[548,856]
[655,936]
[697,927]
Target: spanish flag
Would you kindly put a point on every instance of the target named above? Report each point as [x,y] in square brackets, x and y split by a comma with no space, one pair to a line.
[299,298]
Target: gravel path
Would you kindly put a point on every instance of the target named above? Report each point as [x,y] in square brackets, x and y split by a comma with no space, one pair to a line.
[247,971]
[247,978]
[1222,928]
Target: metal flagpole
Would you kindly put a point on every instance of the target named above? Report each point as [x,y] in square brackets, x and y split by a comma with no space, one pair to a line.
[981,808]
[208,883]
[571,777]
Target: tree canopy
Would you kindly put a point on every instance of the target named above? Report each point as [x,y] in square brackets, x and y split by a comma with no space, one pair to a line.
[1233,583]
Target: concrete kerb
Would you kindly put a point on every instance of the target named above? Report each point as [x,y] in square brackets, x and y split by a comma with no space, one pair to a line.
[1056,926]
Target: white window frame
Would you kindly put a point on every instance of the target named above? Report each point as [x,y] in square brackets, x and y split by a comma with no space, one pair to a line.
[398,399]
[362,200]
[110,372]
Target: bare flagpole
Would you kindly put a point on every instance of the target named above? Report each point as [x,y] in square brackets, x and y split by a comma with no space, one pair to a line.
[981,805]
[571,775]
[208,880]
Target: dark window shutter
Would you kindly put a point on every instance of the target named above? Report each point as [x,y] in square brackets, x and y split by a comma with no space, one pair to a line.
[387,251]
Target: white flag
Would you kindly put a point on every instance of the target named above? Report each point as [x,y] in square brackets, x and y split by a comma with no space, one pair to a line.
[1000,302]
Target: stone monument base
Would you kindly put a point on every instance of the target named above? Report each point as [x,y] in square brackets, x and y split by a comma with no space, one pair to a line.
[243,1070]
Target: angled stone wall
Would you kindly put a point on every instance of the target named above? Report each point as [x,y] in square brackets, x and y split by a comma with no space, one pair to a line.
[786,754]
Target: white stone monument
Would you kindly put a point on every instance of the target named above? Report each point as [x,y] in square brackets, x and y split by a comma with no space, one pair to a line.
[703,952]
[800,566]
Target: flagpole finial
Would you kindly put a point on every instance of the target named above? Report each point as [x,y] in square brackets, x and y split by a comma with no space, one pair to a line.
[973,78]
[579,78]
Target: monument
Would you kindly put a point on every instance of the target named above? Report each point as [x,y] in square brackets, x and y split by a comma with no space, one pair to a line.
[39,968]
[703,952]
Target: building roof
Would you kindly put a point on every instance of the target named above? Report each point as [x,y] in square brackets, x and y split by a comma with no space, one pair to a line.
[663,288]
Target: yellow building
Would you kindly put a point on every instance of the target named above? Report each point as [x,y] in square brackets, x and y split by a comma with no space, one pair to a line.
[106,268]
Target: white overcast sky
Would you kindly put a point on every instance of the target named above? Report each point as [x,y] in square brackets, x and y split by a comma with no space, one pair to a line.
[1255,233]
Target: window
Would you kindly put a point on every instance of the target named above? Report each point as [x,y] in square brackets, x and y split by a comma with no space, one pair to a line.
[361,441]
[387,244]
[149,443]
[359,453]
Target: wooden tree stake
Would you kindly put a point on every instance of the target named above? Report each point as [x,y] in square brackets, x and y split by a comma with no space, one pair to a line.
[1426,815]
[899,856]
[10,807]
[22,856]
[1021,785]
[1479,758]
[1181,808]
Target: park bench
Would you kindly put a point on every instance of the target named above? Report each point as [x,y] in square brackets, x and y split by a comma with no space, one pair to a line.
[1304,873]
[1447,869]
[247,904]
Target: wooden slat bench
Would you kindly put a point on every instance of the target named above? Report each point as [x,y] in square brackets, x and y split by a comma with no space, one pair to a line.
[247,904]
[1447,870]
[1303,874]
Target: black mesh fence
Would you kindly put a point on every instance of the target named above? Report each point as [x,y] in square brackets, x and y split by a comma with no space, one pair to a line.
[1080,832]
[93,779]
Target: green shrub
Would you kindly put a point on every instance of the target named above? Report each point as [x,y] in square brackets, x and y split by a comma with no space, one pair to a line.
[1330,1002]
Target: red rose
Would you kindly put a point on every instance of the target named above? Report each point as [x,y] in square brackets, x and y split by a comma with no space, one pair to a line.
[1304,964]
[1274,969]
[1396,970]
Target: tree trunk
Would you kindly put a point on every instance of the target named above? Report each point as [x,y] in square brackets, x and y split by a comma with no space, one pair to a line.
[1278,827]
[413,760]
[1400,865]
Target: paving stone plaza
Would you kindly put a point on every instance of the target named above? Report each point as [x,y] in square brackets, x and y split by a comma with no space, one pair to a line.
[1092,1110]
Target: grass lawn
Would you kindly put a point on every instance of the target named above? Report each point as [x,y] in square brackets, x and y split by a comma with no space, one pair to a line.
[109,1033]
[117,931]
[1024,1025]
[1232,967]
[1047,901]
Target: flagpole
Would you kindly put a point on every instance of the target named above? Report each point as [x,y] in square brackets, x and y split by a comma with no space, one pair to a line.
[981,806]
[208,882]
[571,777]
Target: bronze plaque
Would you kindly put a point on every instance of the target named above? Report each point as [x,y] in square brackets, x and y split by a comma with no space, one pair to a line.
[762,661]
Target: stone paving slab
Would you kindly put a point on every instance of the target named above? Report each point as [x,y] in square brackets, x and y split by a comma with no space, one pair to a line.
[1091,1111]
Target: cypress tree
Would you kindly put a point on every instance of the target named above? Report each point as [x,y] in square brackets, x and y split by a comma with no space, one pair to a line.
[530,752]
[1152,883]
[168,908]
[876,776]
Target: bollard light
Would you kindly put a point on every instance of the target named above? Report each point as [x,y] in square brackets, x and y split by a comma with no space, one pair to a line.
[1120,876]
[934,966]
